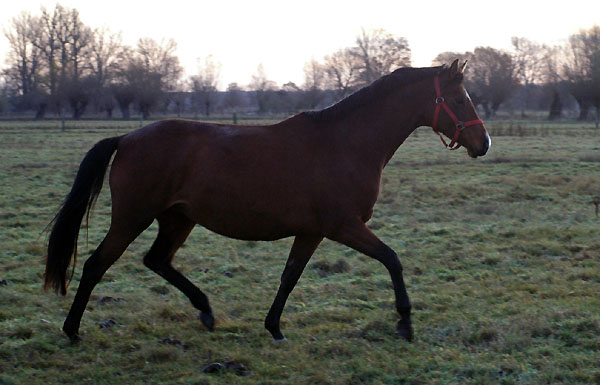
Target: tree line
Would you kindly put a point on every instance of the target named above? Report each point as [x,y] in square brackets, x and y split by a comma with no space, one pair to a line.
[58,65]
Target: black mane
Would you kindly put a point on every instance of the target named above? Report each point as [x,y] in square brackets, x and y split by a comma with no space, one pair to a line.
[379,88]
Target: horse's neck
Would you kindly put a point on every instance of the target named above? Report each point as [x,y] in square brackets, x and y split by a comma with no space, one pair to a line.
[377,130]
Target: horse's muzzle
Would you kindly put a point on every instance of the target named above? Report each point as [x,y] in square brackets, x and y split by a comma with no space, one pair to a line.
[485,146]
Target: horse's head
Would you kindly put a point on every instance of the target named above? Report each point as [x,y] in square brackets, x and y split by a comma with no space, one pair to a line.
[454,114]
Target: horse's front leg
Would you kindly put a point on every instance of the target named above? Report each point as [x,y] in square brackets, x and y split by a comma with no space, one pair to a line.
[358,236]
[303,248]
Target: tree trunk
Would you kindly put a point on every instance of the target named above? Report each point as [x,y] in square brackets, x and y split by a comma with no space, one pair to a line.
[124,110]
[41,111]
[584,108]
[583,111]
[555,107]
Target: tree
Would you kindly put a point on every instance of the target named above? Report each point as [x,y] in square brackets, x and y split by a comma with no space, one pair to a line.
[493,76]
[234,97]
[62,39]
[23,62]
[582,69]
[78,93]
[263,88]
[314,80]
[44,36]
[159,58]
[146,86]
[72,37]
[104,51]
[552,79]
[379,53]
[145,75]
[153,71]
[124,93]
[341,72]
[204,84]
[528,58]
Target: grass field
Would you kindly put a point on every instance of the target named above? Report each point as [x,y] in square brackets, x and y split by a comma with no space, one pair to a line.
[501,258]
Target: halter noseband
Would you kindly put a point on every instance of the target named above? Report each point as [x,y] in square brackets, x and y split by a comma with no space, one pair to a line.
[460,125]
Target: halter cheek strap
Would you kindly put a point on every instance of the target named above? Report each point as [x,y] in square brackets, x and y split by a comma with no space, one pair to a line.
[440,103]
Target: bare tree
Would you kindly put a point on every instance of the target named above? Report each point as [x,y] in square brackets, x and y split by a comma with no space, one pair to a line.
[23,61]
[493,76]
[103,62]
[80,39]
[341,71]
[44,36]
[204,83]
[528,58]
[160,58]
[551,78]
[314,80]
[73,38]
[380,53]
[105,48]
[121,85]
[263,88]
[146,74]
[582,69]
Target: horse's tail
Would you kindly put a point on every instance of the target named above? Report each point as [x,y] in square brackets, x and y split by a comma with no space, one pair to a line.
[62,245]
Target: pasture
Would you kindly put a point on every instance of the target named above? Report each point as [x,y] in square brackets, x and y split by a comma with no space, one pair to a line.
[501,257]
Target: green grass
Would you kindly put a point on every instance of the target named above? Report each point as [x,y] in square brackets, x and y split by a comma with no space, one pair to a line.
[501,258]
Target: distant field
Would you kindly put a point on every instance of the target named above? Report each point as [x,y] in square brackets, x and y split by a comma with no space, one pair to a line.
[501,258]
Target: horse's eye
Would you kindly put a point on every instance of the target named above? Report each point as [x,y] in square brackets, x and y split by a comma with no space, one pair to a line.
[460,100]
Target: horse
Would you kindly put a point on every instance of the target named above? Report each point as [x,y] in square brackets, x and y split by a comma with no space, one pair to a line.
[312,176]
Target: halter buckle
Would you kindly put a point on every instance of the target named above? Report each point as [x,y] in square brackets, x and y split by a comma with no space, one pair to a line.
[439,100]
[460,126]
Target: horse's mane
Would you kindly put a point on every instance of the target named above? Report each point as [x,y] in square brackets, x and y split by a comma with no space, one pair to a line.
[368,94]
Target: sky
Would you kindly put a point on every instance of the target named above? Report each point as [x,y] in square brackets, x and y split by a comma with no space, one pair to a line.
[284,35]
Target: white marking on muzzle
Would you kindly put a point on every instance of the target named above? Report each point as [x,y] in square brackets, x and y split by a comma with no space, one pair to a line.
[489,140]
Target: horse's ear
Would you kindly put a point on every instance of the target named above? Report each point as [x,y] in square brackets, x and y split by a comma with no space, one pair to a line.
[454,69]
[462,67]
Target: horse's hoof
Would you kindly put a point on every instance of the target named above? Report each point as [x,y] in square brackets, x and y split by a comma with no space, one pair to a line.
[277,334]
[208,320]
[74,338]
[405,331]
[72,333]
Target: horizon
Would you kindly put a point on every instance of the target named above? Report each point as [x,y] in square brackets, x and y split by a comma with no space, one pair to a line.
[271,34]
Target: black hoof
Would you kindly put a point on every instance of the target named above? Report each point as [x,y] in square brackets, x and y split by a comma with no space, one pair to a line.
[276,333]
[74,338]
[405,331]
[72,333]
[208,320]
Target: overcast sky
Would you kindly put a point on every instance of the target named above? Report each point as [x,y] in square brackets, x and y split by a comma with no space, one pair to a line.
[283,35]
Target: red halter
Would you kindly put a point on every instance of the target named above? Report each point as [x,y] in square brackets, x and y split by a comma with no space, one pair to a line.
[441,102]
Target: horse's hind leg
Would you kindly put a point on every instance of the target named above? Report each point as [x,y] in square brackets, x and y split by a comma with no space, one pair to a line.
[173,230]
[112,247]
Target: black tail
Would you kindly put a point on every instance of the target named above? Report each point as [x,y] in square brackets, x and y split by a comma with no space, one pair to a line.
[62,246]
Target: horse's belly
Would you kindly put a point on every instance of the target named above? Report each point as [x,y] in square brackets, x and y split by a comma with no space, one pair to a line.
[247,222]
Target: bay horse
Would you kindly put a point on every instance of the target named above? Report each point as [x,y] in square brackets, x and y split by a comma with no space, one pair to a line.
[315,175]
